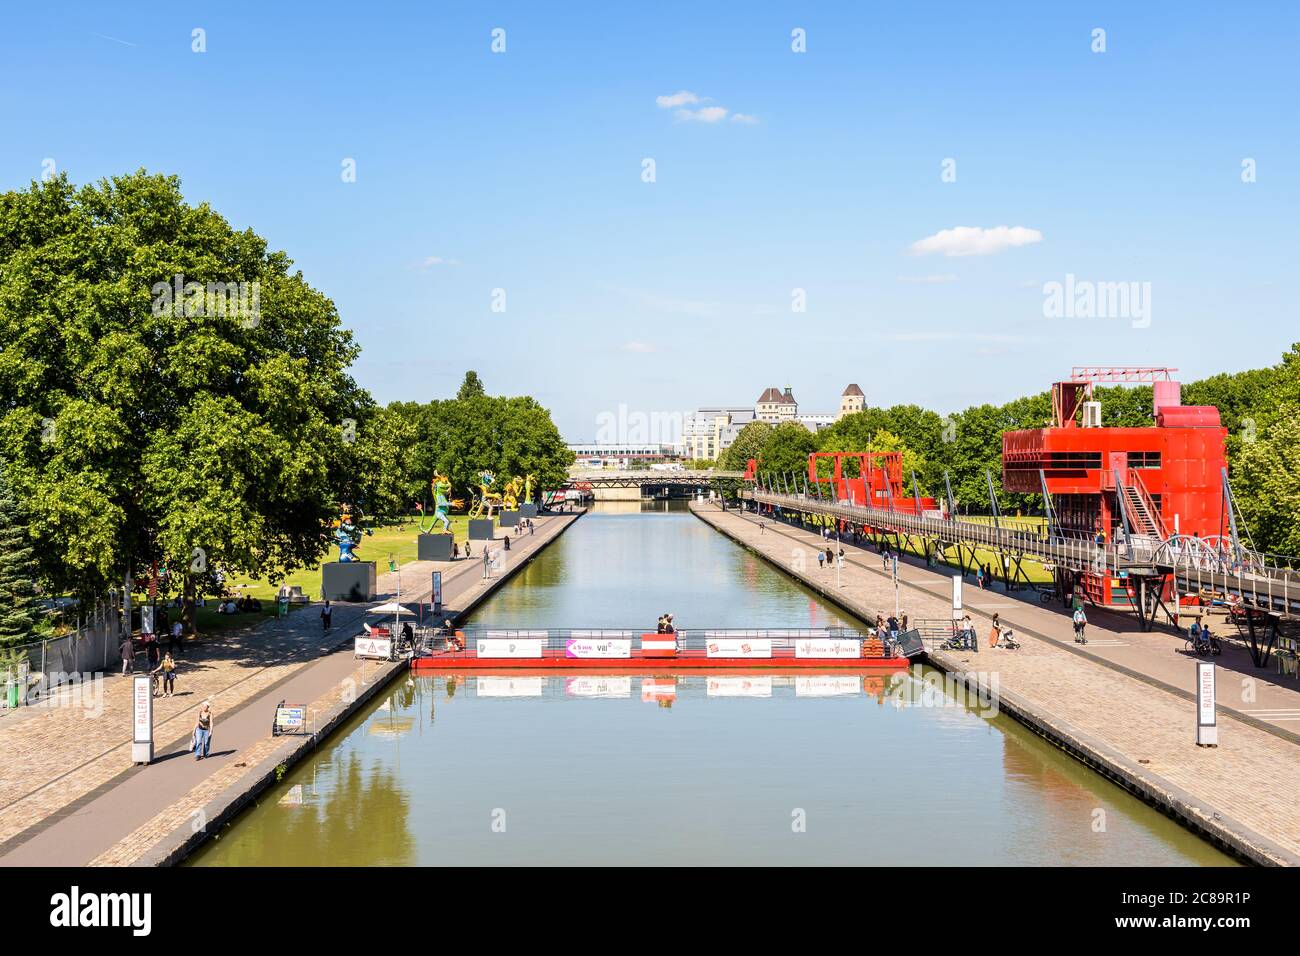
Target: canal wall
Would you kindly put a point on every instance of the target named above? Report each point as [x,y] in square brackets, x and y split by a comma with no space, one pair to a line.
[1134,733]
[346,686]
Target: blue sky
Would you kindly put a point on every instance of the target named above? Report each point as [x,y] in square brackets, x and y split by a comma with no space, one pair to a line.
[522,171]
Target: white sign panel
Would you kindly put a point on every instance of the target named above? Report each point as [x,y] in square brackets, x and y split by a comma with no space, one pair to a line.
[509,686]
[436,594]
[595,647]
[374,647]
[598,687]
[510,647]
[827,685]
[1207,731]
[141,719]
[738,647]
[956,598]
[146,619]
[838,648]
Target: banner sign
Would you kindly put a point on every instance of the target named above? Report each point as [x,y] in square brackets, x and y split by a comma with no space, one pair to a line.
[832,647]
[739,647]
[1207,730]
[436,596]
[588,647]
[956,599]
[291,720]
[510,647]
[380,648]
[142,722]
[146,619]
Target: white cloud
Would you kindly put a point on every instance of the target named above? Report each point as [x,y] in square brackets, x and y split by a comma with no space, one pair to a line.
[680,98]
[638,347]
[430,262]
[975,241]
[928,280]
[744,118]
[705,114]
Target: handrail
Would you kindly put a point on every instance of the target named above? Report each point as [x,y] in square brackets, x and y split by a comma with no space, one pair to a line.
[1140,485]
[1265,581]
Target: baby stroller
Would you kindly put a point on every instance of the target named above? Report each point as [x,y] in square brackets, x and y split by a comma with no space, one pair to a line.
[1008,640]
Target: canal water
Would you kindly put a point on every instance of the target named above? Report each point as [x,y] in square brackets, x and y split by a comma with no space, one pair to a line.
[592,769]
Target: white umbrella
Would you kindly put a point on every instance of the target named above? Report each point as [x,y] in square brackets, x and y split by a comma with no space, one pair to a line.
[392,607]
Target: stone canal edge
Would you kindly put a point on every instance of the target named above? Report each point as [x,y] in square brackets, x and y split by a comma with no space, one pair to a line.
[1195,813]
[199,817]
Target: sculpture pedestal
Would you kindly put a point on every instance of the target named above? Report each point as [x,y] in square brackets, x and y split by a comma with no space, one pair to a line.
[433,547]
[348,581]
[509,519]
[528,510]
[482,529]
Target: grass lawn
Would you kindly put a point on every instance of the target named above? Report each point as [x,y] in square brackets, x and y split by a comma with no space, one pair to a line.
[395,542]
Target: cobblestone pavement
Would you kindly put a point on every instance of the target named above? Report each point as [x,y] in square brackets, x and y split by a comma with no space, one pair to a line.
[1253,775]
[73,754]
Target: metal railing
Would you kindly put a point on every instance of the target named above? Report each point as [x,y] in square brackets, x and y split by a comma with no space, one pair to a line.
[1266,581]
[42,666]
[691,642]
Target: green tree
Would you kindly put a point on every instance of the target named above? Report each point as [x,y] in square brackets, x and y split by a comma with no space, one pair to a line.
[143,426]
[748,444]
[787,449]
[18,611]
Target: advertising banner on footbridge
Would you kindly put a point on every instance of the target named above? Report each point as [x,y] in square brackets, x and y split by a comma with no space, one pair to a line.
[838,648]
[598,648]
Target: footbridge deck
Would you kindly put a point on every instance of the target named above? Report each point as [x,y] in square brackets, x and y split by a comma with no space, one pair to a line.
[1267,585]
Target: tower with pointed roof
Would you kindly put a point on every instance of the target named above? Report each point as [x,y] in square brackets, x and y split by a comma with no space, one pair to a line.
[851,401]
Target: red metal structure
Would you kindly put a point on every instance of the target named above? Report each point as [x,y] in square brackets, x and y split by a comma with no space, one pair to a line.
[872,478]
[1149,482]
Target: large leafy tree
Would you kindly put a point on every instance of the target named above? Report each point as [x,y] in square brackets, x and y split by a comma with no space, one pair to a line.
[787,449]
[140,430]
[476,432]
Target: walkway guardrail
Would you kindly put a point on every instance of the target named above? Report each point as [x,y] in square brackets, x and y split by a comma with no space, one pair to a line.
[690,642]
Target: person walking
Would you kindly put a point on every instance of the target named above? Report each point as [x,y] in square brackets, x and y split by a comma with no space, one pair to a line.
[995,632]
[1080,623]
[128,655]
[203,727]
[761,527]
[468,553]
[326,617]
[174,638]
[168,671]
[821,559]
[507,542]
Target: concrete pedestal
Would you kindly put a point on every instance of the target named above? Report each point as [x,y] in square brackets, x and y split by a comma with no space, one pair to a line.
[509,519]
[433,547]
[482,529]
[528,510]
[340,579]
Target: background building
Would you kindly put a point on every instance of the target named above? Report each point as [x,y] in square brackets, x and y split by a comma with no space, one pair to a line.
[851,401]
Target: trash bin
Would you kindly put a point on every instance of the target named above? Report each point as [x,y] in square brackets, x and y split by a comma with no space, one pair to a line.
[11,691]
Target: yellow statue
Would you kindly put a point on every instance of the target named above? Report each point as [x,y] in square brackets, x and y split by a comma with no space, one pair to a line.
[487,500]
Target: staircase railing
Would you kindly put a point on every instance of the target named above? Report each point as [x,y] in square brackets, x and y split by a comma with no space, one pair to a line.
[1148,503]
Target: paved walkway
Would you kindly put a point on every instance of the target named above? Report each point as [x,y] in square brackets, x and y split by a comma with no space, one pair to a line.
[1105,695]
[68,791]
